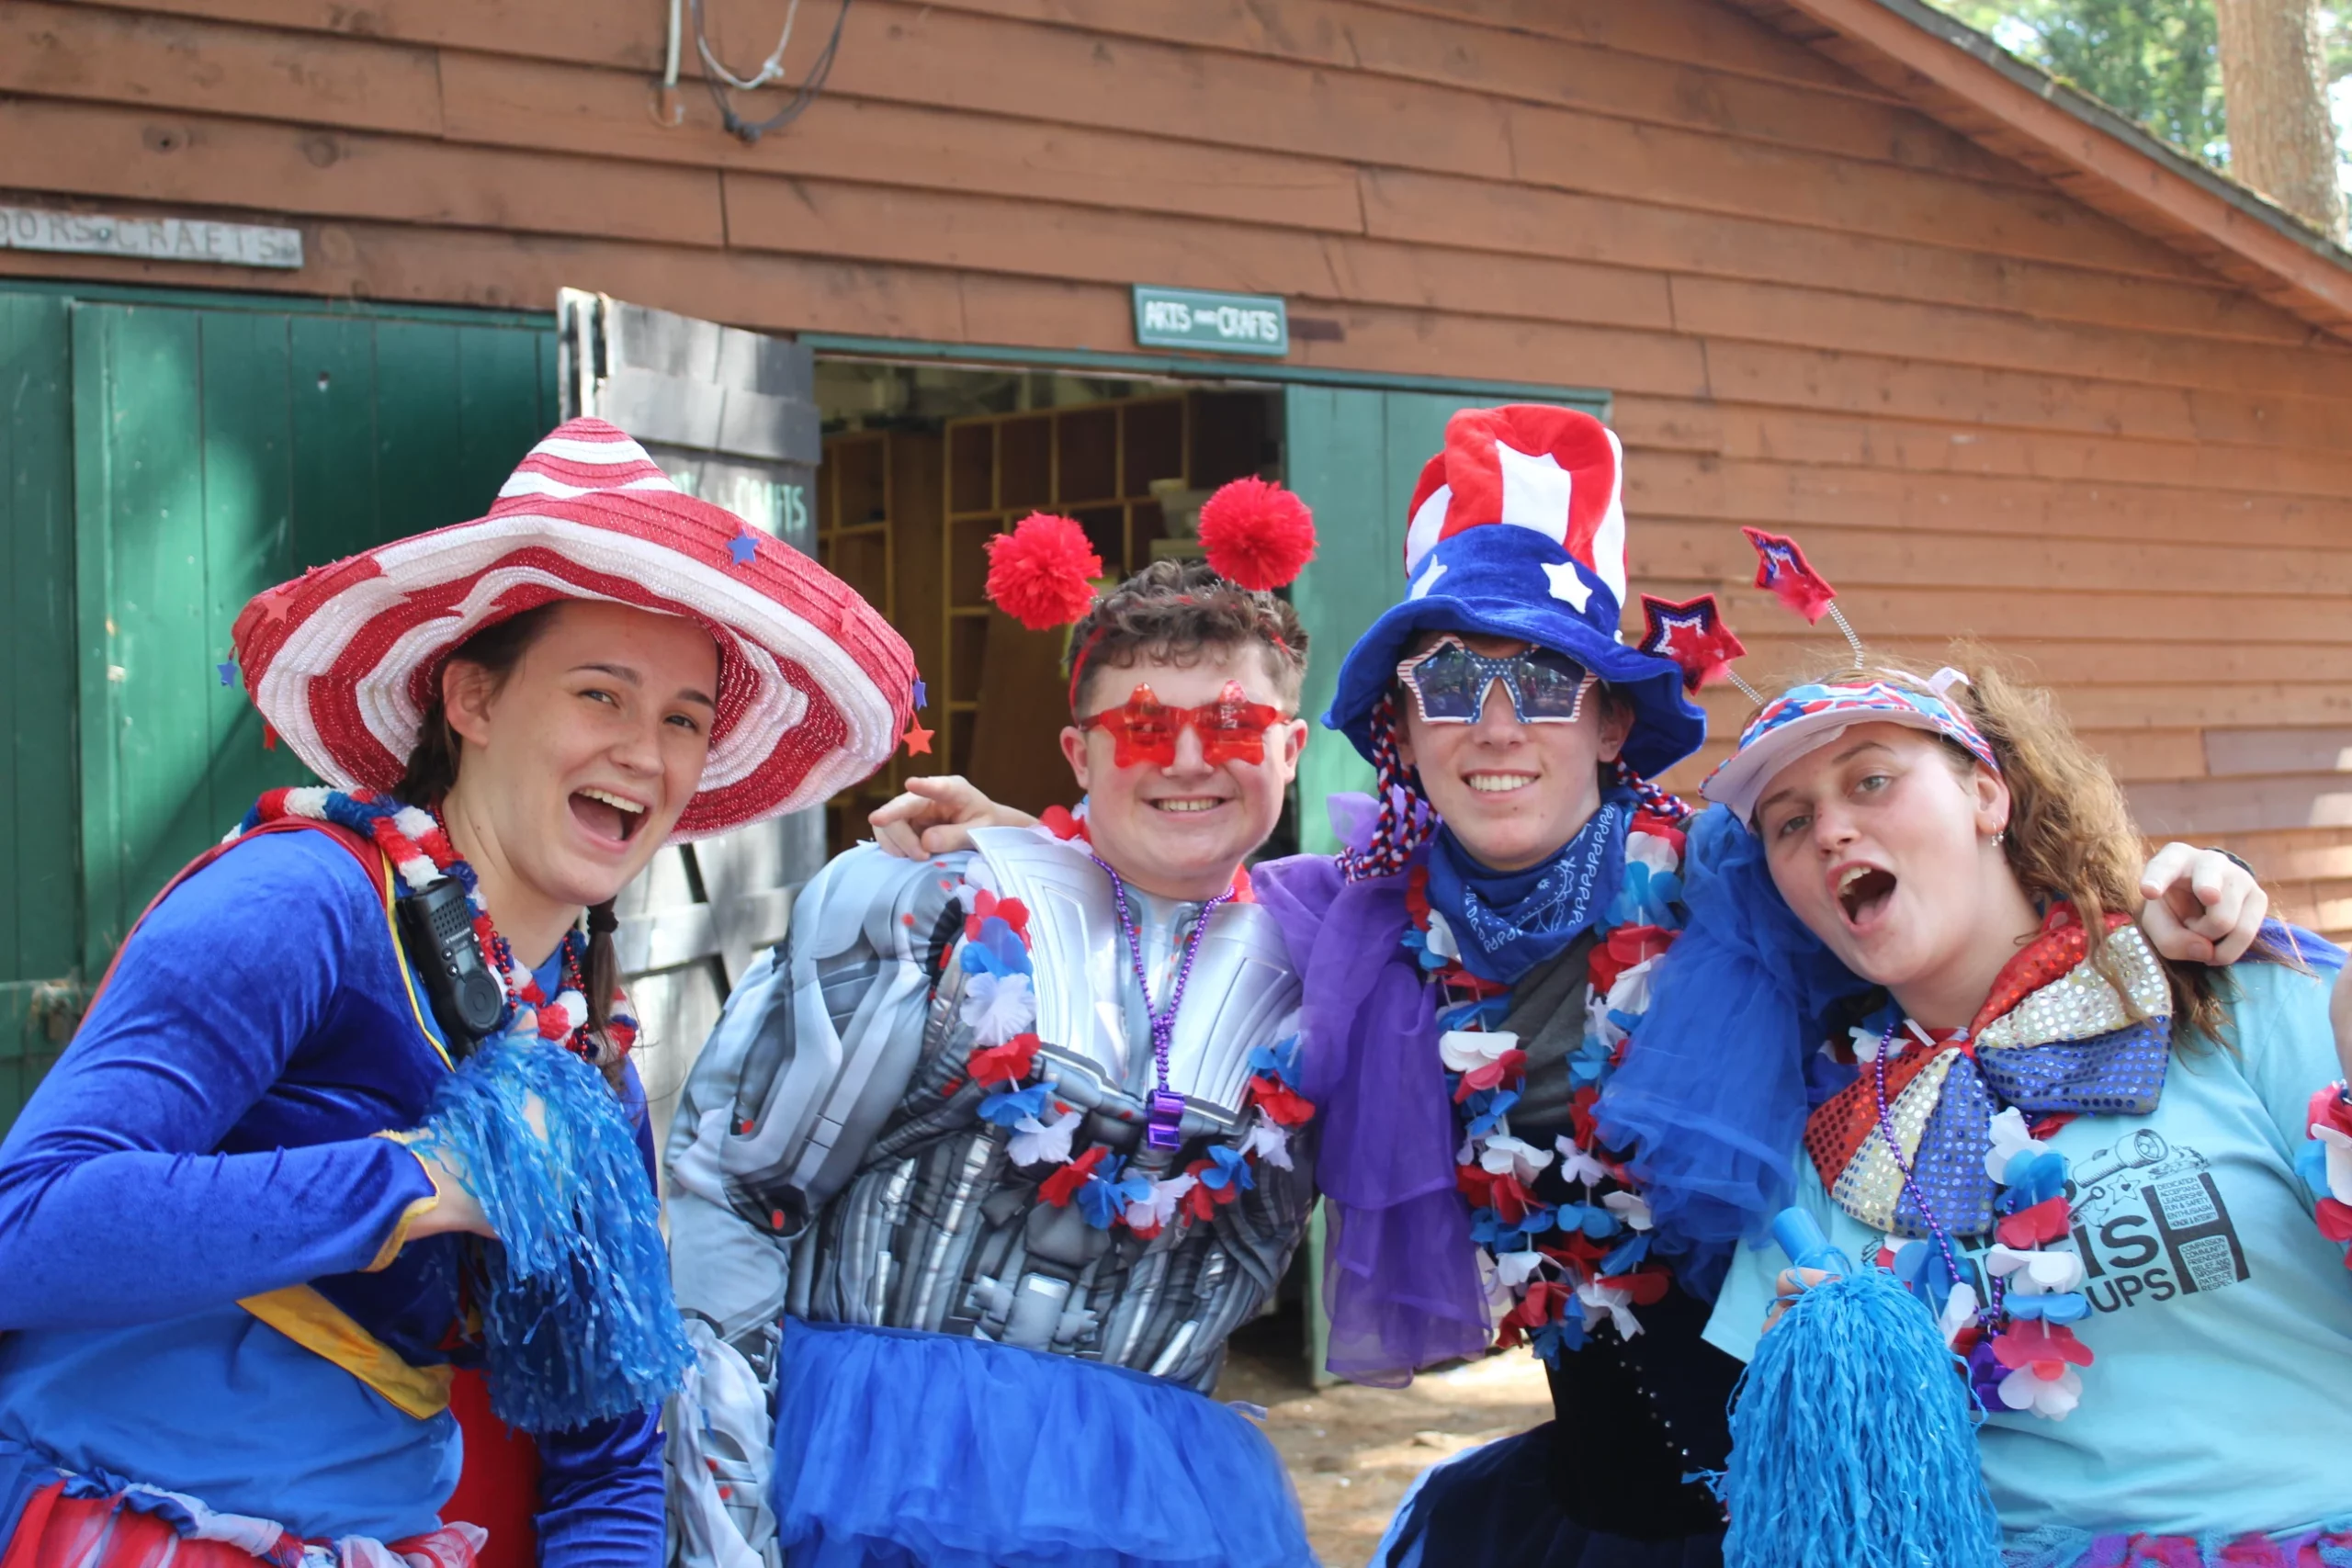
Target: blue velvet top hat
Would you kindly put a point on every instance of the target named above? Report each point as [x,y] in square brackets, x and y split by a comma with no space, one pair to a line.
[1519,530]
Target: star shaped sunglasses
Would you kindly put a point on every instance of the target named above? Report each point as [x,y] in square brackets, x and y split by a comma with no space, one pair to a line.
[1232,728]
[1450,684]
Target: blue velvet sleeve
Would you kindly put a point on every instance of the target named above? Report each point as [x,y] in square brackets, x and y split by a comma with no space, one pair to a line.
[600,1487]
[114,1208]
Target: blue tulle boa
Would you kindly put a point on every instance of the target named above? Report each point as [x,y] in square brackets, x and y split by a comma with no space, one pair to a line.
[578,1324]
[1854,1442]
[895,1449]
[1711,1095]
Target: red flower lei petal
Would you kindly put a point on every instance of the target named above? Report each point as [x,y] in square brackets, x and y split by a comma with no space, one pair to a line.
[1062,1186]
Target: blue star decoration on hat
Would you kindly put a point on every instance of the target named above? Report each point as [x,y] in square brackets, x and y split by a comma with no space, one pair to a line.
[228,672]
[921,698]
[743,548]
[1692,634]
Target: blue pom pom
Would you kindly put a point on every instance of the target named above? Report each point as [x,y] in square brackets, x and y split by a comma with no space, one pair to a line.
[1853,1440]
[578,1324]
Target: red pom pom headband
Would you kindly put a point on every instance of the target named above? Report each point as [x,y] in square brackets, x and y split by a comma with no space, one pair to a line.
[1257,536]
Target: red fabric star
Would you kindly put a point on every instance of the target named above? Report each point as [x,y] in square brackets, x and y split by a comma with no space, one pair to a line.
[1781,568]
[917,740]
[1692,634]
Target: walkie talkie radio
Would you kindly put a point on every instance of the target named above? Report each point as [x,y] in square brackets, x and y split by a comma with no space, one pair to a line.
[437,925]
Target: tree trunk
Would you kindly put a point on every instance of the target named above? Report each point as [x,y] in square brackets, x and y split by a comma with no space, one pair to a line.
[2273,85]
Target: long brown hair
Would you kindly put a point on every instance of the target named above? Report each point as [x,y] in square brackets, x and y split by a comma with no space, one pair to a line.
[2070,835]
[431,771]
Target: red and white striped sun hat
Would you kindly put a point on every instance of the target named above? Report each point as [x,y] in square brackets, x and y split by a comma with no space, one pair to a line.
[814,686]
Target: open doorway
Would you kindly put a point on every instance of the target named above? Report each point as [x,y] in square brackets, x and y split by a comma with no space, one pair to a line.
[923,463]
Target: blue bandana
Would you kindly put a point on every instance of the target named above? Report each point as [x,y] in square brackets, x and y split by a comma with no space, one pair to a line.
[1508,921]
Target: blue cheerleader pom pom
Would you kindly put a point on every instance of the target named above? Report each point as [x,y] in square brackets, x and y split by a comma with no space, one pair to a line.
[578,1322]
[1853,1439]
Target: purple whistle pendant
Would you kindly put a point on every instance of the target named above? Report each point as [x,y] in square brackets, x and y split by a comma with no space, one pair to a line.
[1163,1130]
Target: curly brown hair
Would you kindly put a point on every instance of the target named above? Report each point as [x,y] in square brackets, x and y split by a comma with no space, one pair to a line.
[2071,835]
[1174,612]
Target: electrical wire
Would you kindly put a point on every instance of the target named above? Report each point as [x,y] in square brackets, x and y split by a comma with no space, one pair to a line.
[771,68]
[720,78]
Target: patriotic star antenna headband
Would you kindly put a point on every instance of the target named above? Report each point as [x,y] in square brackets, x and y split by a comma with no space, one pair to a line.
[1805,717]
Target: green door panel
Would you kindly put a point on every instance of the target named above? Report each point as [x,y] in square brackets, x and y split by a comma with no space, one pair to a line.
[218,451]
[40,891]
[1354,455]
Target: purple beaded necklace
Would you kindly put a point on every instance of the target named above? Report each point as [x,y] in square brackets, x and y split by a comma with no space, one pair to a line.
[1167,1107]
[1985,1312]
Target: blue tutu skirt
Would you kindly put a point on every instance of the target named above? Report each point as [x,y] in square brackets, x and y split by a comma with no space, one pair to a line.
[903,1450]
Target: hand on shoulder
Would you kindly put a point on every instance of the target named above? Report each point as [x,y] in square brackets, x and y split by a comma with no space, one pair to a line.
[936,816]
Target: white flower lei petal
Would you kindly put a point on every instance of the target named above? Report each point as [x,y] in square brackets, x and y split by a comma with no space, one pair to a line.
[1039,1142]
[1269,1142]
[1630,1207]
[2339,1161]
[1651,850]
[2037,1271]
[1576,1164]
[998,1007]
[1441,937]
[2052,1400]
[1515,1268]
[1612,1301]
[1506,1155]
[2010,1138]
[1465,1050]
[1160,1207]
[1960,1311]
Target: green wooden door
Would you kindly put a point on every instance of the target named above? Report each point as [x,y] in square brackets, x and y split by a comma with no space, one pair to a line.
[39,896]
[162,458]
[1354,455]
[218,452]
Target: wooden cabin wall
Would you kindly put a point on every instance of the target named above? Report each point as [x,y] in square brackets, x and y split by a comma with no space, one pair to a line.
[1985,408]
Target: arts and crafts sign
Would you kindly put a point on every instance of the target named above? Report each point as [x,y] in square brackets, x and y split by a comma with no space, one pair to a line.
[1218,324]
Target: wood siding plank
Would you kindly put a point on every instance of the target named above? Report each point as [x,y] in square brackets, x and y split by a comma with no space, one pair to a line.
[541,105]
[1335,35]
[162,62]
[89,149]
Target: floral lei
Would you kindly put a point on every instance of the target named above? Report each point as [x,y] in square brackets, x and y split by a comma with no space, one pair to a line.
[999,1005]
[1585,1245]
[2326,1164]
[2020,1352]
[417,844]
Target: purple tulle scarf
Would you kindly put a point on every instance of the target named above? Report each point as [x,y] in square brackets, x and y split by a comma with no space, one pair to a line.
[1400,1279]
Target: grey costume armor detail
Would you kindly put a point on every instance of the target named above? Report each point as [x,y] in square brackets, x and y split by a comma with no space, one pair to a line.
[829,1158]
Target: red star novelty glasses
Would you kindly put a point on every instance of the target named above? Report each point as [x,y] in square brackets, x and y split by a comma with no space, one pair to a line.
[1232,728]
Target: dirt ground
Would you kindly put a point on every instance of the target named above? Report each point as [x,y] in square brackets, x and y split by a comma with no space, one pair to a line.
[1352,1451]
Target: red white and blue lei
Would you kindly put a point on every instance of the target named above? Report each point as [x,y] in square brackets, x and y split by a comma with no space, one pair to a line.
[1563,1233]
[999,1007]
[413,839]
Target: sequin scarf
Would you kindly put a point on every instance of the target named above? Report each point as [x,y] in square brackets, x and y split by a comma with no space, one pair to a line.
[2055,1037]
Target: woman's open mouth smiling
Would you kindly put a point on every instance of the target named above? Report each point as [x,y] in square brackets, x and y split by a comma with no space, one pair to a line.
[612,817]
[1185,804]
[1862,892]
